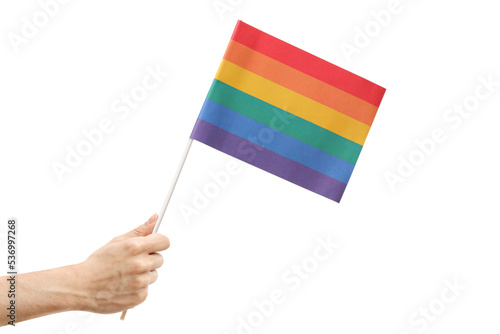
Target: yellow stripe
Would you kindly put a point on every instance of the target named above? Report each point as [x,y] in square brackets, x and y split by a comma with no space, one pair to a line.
[292,102]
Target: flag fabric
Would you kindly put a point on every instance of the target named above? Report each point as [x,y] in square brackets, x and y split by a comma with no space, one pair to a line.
[288,112]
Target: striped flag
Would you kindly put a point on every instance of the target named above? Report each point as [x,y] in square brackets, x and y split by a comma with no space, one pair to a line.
[288,112]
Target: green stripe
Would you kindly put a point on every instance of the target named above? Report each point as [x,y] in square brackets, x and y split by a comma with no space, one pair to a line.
[283,121]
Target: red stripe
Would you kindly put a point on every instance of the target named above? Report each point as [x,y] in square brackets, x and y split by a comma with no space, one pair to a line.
[308,63]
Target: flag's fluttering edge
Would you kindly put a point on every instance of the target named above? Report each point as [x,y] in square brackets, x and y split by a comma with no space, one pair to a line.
[288,112]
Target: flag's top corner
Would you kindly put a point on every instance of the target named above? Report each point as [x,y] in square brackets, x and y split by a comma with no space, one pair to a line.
[307,63]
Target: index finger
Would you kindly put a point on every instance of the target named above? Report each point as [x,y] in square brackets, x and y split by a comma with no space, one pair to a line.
[155,242]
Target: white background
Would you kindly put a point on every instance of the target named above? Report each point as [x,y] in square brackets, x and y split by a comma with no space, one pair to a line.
[397,247]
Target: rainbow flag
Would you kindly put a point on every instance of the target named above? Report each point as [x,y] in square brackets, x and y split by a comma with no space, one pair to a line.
[288,112]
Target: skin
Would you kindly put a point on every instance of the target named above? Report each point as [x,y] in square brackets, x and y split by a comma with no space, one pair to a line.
[112,279]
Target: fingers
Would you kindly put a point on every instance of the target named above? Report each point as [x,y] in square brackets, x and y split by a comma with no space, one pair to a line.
[155,243]
[155,261]
[153,276]
[144,263]
[151,244]
[141,231]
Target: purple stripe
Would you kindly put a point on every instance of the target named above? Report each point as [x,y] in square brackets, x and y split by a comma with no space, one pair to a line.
[267,160]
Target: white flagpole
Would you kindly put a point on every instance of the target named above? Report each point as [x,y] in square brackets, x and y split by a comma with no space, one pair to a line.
[172,186]
[169,196]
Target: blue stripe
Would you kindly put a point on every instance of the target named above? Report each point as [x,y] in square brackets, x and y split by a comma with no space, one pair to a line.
[276,141]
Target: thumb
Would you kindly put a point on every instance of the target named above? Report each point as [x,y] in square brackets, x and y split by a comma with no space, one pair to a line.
[140,231]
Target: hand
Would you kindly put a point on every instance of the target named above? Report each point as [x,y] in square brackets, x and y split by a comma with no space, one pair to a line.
[116,276]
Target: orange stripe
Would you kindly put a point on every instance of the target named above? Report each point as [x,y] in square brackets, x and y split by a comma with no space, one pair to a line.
[292,102]
[300,82]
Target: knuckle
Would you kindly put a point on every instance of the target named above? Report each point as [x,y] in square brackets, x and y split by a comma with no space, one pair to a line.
[154,273]
[140,282]
[138,266]
[134,246]
[139,230]
[141,295]
[160,260]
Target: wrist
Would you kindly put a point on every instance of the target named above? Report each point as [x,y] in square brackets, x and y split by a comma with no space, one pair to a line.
[78,297]
[48,291]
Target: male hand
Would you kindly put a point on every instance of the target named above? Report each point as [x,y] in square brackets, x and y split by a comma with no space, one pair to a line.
[116,276]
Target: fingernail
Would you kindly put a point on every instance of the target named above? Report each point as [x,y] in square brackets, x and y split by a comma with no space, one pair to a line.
[152,219]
